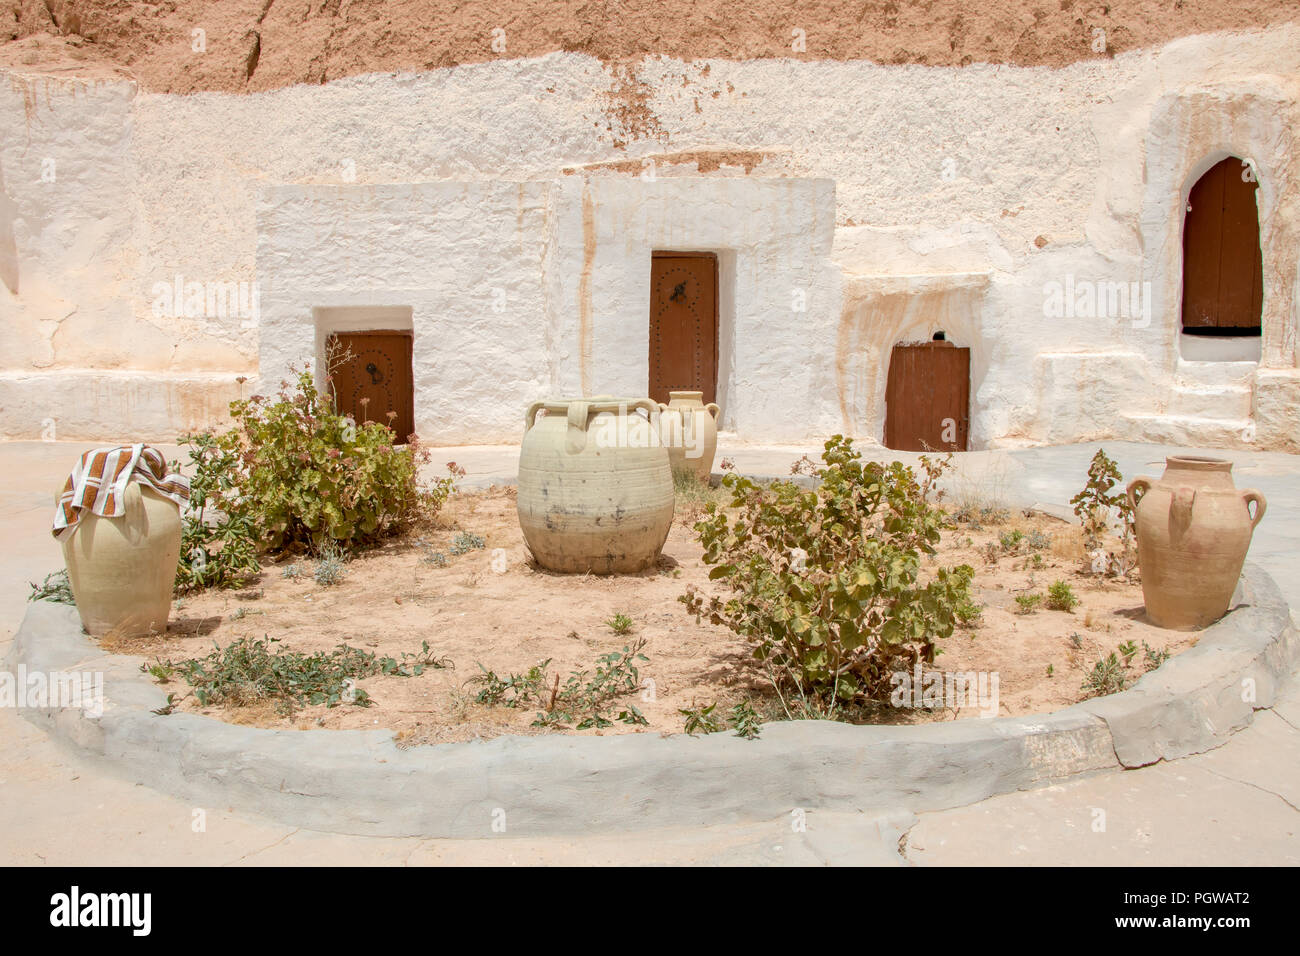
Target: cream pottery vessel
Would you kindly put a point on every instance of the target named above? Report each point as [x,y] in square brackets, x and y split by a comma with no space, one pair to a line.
[689,428]
[1193,530]
[122,570]
[595,488]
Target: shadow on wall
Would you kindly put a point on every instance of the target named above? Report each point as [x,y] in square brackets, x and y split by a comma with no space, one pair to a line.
[882,311]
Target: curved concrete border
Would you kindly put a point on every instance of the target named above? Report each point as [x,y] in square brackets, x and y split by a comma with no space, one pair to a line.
[360,782]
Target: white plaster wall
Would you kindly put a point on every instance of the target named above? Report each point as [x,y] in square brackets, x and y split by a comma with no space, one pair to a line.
[464,257]
[773,238]
[1018,175]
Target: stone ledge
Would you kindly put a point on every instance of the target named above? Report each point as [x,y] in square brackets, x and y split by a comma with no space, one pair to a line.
[360,782]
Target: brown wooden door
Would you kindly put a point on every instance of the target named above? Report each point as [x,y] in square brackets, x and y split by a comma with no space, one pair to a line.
[1223,278]
[683,324]
[375,366]
[927,397]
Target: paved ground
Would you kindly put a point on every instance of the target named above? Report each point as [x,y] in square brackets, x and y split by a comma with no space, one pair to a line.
[1239,804]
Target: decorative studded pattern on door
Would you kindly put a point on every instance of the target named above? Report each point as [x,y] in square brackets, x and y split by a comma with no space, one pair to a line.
[683,324]
[376,379]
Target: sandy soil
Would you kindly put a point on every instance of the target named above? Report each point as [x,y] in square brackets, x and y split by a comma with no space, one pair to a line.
[391,600]
[265,44]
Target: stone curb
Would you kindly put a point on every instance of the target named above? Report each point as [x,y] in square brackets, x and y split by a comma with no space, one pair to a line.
[360,782]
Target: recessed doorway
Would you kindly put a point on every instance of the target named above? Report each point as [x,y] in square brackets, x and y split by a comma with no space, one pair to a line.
[927,397]
[683,324]
[1223,279]
[372,377]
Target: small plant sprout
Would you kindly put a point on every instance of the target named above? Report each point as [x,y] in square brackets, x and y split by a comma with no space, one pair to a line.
[1152,658]
[700,720]
[1010,540]
[1061,597]
[1106,677]
[329,569]
[1028,603]
[465,542]
[620,624]
[55,588]
[745,721]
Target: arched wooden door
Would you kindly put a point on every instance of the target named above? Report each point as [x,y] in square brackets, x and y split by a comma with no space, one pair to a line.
[1223,279]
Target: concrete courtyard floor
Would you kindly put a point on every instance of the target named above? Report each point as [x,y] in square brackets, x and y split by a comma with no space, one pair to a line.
[1237,805]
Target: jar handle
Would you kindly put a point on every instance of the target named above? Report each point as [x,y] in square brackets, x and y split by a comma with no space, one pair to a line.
[651,407]
[1133,486]
[712,409]
[530,414]
[1261,505]
[575,438]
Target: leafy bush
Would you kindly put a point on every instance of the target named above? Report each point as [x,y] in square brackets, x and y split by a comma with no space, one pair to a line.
[219,541]
[620,624]
[826,584]
[1061,597]
[293,473]
[1010,540]
[308,474]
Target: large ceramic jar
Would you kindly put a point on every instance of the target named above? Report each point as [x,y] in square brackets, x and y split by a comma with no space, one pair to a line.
[1193,530]
[689,428]
[595,488]
[122,570]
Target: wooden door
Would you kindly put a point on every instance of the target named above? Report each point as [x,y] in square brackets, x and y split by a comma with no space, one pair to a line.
[927,397]
[683,324]
[1223,277]
[375,366]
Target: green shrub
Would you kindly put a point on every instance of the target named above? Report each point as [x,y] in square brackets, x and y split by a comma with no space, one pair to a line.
[825,584]
[1028,603]
[293,474]
[310,475]
[1106,677]
[219,539]
[1061,597]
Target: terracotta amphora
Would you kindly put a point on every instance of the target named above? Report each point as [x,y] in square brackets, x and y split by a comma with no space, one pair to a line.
[122,570]
[595,487]
[1193,530]
[689,428]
